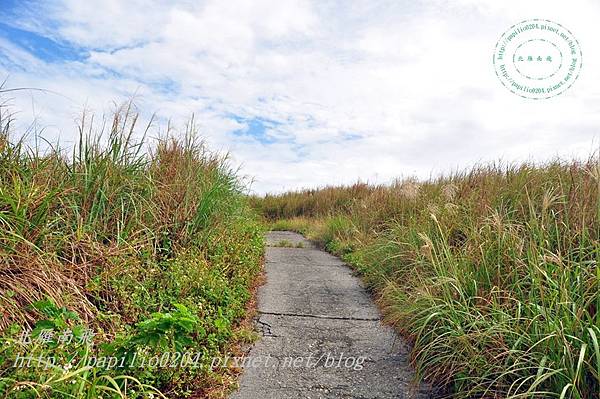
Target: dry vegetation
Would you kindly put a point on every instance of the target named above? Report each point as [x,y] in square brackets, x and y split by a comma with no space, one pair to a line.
[149,244]
[492,274]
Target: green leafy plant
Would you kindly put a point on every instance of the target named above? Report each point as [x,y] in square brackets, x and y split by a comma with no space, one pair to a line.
[172,330]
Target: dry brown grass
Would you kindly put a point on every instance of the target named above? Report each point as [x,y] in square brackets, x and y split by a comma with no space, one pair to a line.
[492,273]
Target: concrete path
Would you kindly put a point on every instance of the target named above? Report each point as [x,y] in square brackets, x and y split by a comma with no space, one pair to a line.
[321,333]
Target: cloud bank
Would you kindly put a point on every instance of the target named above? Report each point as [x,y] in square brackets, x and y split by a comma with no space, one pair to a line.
[307,93]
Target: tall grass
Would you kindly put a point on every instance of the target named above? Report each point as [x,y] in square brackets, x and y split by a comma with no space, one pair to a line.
[492,273]
[120,228]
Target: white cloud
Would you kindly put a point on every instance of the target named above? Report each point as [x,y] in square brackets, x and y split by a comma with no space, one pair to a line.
[361,89]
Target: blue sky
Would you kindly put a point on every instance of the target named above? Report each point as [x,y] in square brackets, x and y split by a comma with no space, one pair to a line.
[305,93]
[42,47]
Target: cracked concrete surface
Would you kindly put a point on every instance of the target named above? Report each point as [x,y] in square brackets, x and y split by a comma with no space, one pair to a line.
[317,323]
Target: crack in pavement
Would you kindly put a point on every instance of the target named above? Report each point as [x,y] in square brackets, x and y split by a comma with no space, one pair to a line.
[318,316]
[266,329]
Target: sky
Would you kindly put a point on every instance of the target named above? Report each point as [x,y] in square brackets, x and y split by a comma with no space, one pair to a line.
[305,93]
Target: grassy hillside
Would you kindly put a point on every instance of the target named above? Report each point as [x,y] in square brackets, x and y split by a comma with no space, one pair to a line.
[126,250]
[492,274]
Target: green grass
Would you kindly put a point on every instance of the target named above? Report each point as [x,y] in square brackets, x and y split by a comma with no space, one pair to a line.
[149,243]
[288,244]
[492,274]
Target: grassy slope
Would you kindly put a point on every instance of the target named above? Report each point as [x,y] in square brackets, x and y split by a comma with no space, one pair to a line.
[493,274]
[153,251]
